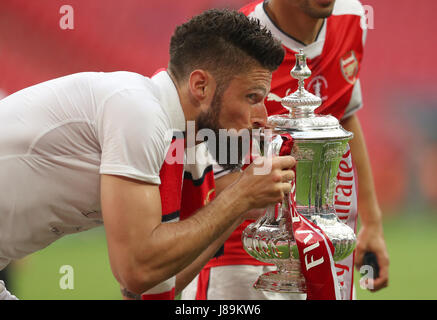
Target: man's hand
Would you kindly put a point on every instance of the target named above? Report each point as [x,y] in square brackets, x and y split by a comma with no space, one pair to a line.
[371,239]
[262,190]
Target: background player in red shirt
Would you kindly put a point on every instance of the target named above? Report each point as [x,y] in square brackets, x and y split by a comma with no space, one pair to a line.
[332,35]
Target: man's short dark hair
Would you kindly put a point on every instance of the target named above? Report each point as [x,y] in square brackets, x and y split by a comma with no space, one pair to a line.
[221,41]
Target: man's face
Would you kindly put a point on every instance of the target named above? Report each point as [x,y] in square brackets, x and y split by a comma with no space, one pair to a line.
[242,103]
[316,8]
[240,106]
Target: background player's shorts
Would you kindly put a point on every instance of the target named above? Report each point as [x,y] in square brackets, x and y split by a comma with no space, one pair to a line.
[224,285]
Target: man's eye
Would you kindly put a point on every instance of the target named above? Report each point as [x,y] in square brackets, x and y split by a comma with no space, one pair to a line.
[253,97]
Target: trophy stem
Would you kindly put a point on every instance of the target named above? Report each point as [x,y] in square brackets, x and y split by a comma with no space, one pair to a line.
[287,279]
[301,84]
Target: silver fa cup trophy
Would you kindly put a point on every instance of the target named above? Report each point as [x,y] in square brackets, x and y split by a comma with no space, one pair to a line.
[319,143]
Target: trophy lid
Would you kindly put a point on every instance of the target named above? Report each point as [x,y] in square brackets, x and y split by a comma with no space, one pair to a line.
[302,122]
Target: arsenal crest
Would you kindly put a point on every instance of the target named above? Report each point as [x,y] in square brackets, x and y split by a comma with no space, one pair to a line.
[349,66]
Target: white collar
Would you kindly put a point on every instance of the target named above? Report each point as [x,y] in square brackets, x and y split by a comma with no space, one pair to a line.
[312,50]
[170,98]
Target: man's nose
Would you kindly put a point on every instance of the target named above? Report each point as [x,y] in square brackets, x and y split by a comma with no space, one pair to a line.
[258,116]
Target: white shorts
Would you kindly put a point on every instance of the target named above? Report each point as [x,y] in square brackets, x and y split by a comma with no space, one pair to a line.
[235,282]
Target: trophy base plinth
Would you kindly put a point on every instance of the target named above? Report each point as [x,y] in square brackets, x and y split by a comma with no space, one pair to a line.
[282,282]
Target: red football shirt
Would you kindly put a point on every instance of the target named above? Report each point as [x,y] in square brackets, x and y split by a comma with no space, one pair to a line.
[170,191]
[334,59]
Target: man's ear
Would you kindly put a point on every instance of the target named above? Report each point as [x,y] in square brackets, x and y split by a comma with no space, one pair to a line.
[202,86]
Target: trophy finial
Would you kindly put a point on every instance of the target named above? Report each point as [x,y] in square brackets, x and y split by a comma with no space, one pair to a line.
[301,103]
[301,70]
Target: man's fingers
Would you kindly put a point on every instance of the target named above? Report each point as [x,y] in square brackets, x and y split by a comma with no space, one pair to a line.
[379,283]
[369,279]
[287,176]
[359,256]
[382,280]
[269,179]
[284,162]
[284,188]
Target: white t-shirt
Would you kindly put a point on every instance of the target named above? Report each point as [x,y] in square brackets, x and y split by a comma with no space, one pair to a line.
[57,137]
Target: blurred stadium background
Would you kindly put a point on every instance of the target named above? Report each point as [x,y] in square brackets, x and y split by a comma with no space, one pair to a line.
[399,118]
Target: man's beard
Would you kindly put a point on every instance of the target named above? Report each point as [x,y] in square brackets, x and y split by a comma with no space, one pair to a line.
[226,148]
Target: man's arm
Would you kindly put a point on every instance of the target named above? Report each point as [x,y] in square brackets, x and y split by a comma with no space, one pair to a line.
[184,277]
[144,252]
[371,235]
